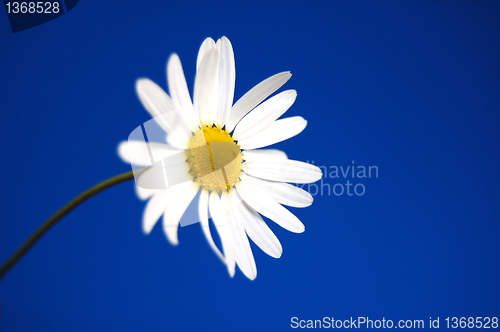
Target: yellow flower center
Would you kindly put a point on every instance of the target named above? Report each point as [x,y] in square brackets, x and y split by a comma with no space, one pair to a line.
[214,159]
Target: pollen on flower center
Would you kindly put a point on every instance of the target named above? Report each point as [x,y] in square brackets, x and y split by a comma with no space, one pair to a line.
[214,159]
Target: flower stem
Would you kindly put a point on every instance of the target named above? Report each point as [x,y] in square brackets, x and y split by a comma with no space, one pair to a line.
[61,213]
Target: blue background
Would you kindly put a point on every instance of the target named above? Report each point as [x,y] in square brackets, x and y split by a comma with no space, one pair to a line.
[412,87]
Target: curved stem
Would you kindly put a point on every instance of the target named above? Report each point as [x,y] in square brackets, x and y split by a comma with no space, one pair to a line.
[61,213]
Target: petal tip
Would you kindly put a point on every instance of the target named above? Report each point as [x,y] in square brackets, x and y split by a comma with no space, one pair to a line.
[276,254]
[252,277]
[147,227]
[173,242]
[121,146]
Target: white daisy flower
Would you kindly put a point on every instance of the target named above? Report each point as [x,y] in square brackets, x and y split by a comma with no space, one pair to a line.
[220,157]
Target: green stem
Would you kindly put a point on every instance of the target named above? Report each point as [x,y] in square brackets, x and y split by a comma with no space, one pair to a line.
[61,213]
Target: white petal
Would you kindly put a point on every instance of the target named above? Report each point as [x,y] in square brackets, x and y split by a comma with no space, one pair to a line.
[278,131]
[268,207]
[179,198]
[180,133]
[144,193]
[227,76]
[264,114]
[179,91]
[144,154]
[222,227]
[205,88]
[280,170]
[239,239]
[154,209]
[258,230]
[251,155]
[167,172]
[207,45]
[156,102]
[254,97]
[203,215]
[283,193]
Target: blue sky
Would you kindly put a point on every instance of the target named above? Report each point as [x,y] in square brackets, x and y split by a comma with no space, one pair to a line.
[409,87]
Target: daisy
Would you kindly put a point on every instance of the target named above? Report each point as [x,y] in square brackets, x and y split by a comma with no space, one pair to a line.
[214,149]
